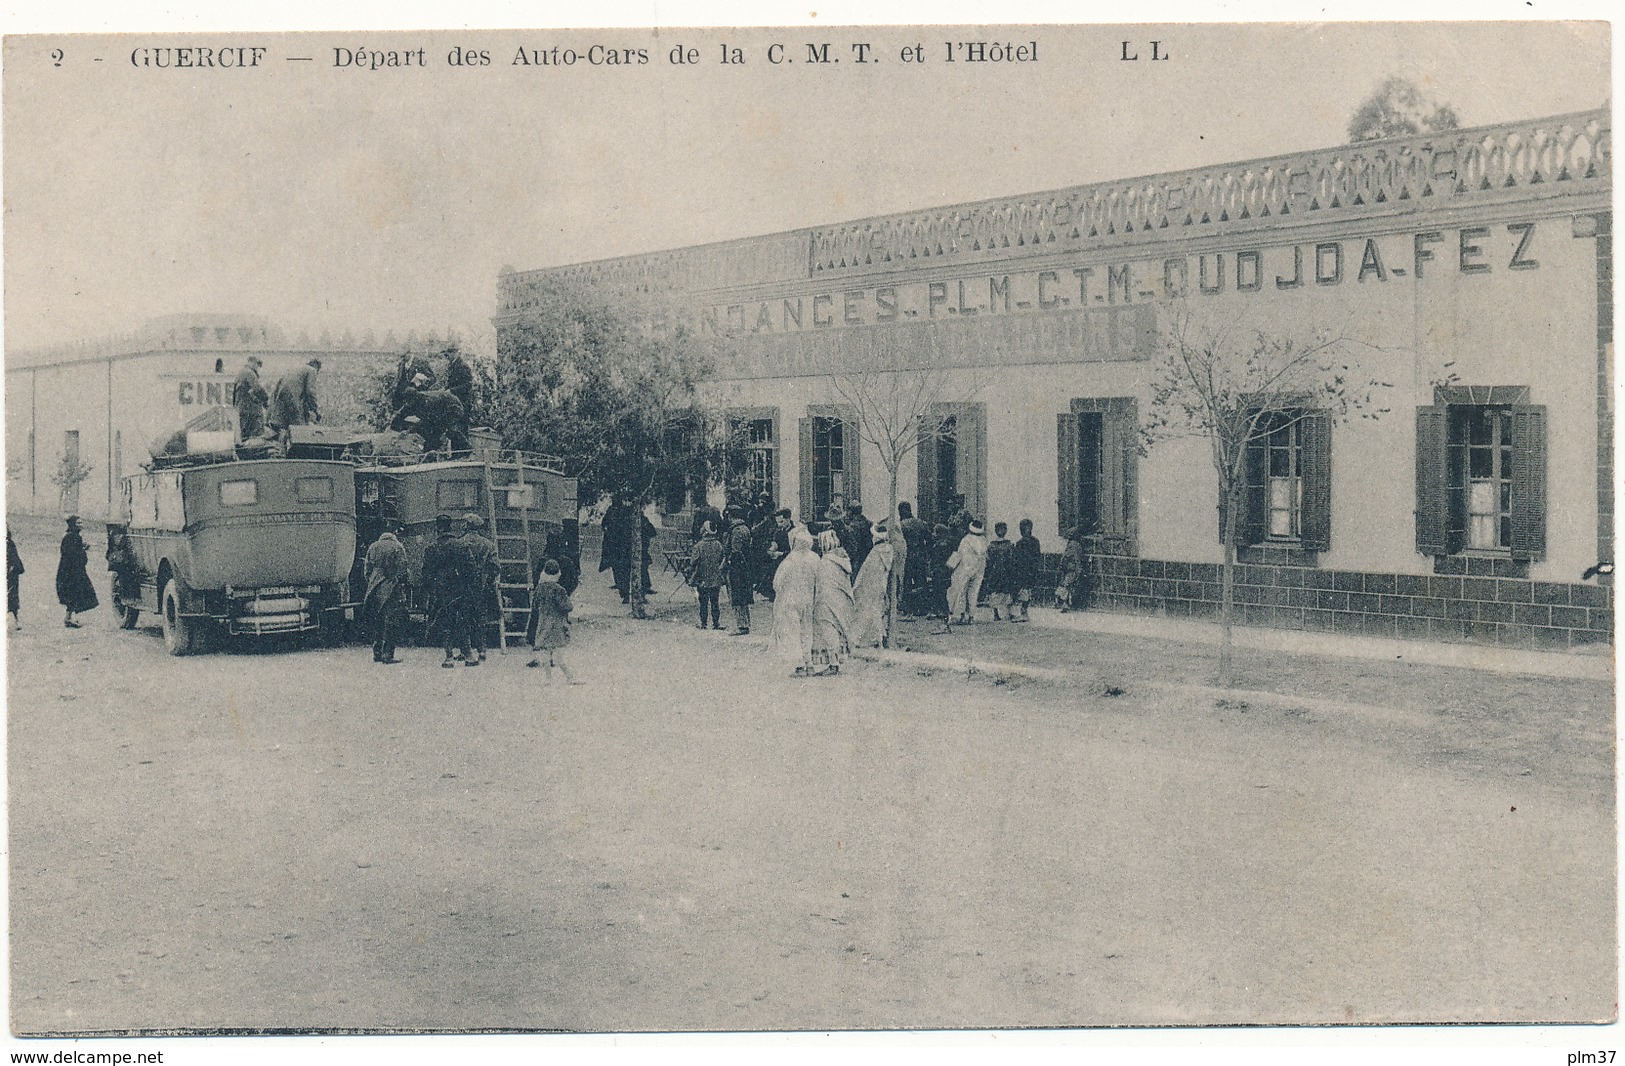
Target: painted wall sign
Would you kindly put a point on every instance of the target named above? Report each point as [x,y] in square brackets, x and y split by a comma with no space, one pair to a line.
[1359,261]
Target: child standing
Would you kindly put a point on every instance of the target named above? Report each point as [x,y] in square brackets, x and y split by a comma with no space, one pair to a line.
[551,606]
[1026,563]
[705,573]
[1000,584]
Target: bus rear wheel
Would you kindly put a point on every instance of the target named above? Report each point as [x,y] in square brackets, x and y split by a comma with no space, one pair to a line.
[180,632]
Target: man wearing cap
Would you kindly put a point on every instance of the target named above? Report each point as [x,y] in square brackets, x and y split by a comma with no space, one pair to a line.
[293,401]
[386,594]
[250,399]
[482,600]
[448,569]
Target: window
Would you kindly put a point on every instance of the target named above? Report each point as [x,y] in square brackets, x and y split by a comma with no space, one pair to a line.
[313,489]
[240,493]
[829,460]
[952,462]
[1287,495]
[1283,473]
[1098,466]
[829,463]
[452,496]
[756,455]
[1481,473]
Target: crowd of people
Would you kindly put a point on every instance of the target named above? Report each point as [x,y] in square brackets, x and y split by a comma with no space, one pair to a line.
[461,595]
[833,581]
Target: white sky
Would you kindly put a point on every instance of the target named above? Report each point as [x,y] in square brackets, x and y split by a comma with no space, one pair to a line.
[387,200]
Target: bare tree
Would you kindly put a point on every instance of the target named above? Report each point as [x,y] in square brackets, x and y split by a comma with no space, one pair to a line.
[69,474]
[1236,387]
[894,415]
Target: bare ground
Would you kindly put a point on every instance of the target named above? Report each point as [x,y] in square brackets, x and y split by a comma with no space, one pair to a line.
[694,840]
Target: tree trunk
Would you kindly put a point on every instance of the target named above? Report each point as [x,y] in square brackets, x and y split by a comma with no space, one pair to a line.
[634,581]
[1227,595]
[894,531]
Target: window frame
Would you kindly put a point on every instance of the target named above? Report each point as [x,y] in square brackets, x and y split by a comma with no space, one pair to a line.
[1444,472]
[220,491]
[299,494]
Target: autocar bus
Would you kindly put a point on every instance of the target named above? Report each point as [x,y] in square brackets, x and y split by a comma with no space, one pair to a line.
[239,547]
[525,497]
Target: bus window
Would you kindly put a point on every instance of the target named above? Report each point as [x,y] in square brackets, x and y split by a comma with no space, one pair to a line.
[239,493]
[313,489]
[456,495]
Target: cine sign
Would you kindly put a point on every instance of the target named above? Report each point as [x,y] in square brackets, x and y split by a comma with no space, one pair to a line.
[207,393]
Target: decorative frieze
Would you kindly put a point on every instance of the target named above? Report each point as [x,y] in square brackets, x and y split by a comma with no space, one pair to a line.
[1565,155]
[1506,161]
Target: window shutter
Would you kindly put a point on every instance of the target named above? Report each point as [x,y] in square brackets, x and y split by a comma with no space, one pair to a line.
[1113,522]
[1126,416]
[804,504]
[1066,466]
[926,481]
[852,455]
[1432,503]
[971,457]
[1315,433]
[1528,482]
[1256,515]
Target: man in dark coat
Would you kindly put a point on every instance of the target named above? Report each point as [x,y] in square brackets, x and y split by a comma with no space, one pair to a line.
[448,571]
[385,602]
[856,535]
[762,532]
[773,546]
[293,401]
[616,553]
[14,588]
[917,565]
[123,564]
[740,557]
[460,382]
[482,606]
[435,415]
[73,588]
[250,398]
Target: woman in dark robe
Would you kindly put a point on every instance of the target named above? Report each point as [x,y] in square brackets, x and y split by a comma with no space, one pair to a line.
[14,589]
[73,588]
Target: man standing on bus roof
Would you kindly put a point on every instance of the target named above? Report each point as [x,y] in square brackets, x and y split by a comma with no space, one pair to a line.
[250,398]
[293,401]
[386,594]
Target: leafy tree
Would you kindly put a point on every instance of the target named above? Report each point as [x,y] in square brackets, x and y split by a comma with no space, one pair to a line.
[1397,109]
[1234,386]
[372,397]
[578,378]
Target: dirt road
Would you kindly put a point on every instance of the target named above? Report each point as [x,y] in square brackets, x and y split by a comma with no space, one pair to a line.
[694,840]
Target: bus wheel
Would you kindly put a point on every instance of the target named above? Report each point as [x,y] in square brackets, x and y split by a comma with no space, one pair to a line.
[180,635]
[128,613]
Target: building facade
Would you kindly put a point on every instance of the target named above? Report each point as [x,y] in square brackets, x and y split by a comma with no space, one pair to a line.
[1470,271]
[102,403]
